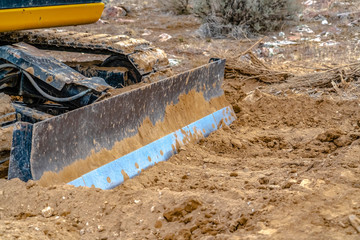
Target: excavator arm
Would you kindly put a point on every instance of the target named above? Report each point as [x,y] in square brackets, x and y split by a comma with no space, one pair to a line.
[22,14]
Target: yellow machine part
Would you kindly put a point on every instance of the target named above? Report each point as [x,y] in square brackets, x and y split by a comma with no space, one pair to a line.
[50,16]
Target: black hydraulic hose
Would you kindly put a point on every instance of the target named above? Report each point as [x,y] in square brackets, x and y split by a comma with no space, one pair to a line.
[42,93]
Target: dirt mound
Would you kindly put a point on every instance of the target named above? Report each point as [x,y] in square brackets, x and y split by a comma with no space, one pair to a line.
[295,155]
[287,168]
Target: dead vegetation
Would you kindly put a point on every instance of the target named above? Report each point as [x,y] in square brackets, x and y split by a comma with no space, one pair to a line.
[236,18]
[247,66]
[176,6]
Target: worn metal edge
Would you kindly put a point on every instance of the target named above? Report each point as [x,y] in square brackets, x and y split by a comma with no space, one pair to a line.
[19,165]
[142,87]
[53,156]
[116,172]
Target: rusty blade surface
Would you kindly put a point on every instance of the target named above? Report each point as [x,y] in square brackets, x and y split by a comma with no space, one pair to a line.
[62,140]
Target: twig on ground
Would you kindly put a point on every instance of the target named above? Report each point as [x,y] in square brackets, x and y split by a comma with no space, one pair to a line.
[355,222]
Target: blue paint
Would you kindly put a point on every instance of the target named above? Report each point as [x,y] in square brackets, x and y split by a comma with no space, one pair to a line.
[110,175]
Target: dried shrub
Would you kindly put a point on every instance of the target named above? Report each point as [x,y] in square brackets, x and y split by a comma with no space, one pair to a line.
[176,6]
[248,66]
[243,18]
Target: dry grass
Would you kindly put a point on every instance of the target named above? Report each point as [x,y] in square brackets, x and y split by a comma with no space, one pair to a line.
[176,6]
[337,79]
[243,18]
[250,67]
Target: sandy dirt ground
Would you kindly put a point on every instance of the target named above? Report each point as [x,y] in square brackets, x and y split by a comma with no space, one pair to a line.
[287,168]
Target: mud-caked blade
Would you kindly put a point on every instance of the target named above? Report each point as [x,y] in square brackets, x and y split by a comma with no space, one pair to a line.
[61,141]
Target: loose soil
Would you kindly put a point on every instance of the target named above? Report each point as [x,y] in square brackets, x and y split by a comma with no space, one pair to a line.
[287,168]
[5,135]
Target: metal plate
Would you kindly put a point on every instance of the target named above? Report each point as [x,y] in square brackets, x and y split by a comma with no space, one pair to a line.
[62,140]
[20,152]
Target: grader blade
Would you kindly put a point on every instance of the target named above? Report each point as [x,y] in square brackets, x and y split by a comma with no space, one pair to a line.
[105,143]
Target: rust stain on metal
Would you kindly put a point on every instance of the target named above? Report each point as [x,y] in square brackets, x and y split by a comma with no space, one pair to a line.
[126,177]
[17,56]
[49,79]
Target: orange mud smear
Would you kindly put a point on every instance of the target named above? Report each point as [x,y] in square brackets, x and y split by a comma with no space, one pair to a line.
[191,107]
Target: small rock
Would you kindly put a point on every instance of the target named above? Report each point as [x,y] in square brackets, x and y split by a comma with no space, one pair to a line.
[137,201]
[152,209]
[263,180]
[343,141]
[289,183]
[272,187]
[242,221]
[47,212]
[100,228]
[30,184]
[236,108]
[206,175]
[234,174]
[82,232]
[158,224]
[330,135]
[305,183]
[236,143]
[113,12]
[1,192]
[164,37]
[147,32]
